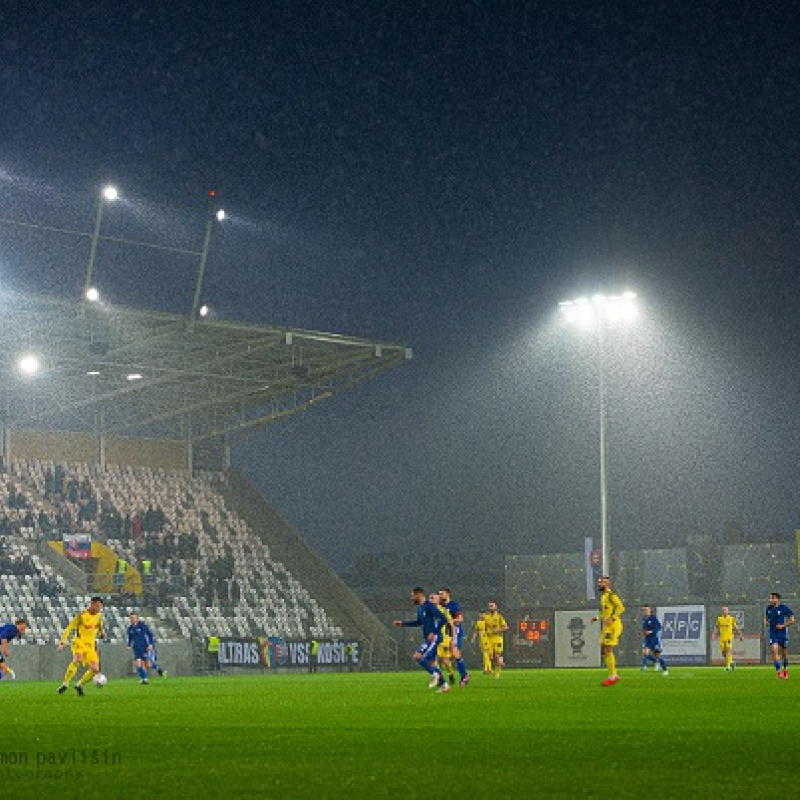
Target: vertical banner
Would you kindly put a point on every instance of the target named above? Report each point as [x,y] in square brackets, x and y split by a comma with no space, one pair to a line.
[577,639]
[683,634]
[589,559]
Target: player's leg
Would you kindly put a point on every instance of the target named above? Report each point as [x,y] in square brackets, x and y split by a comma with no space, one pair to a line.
[92,663]
[661,663]
[461,665]
[497,650]
[426,658]
[785,659]
[487,658]
[776,657]
[609,641]
[77,658]
[139,663]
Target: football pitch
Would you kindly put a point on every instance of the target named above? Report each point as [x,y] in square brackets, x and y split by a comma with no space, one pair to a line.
[538,733]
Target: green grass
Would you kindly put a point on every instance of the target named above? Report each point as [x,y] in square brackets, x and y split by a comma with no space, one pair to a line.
[697,733]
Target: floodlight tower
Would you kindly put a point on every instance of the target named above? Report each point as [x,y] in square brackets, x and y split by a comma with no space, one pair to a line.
[598,313]
[109,194]
[217,215]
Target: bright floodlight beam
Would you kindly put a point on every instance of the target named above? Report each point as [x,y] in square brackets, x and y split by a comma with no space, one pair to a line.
[216,216]
[108,194]
[29,364]
[598,312]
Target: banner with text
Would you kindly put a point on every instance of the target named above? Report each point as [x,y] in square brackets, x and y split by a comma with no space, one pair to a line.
[268,652]
[683,634]
[577,639]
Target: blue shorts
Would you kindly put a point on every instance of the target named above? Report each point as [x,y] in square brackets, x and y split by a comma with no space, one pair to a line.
[781,638]
[428,649]
[652,643]
[141,655]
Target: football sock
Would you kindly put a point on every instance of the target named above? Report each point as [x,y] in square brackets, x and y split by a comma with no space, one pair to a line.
[645,659]
[728,660]
[428,667]
[86,677]
[777,666]
[786,663]
[663,664]
[487,663]
[611,664]
[461,667]
[70,673]
[140,671]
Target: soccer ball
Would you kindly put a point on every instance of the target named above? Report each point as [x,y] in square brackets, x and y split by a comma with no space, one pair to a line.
[100,679]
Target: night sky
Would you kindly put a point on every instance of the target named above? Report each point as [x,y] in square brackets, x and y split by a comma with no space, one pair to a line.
[442,175]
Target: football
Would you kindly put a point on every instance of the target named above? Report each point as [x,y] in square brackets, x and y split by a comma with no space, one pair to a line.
[100,679]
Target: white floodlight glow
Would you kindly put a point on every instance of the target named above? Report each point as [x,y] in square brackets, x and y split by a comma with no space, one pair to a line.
[629,296]
[93,372]
[110,193]
[133,376]
[29,364]
[92,295]
[204,311]
[220,215]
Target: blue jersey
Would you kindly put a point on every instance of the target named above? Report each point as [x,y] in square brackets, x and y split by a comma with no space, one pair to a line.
[140,637]
[9,632]
[651,626]
[778,615]
[454,609]
[429,617]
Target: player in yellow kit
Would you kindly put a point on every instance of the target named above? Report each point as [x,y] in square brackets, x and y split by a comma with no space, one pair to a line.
[483,642]
[496,626]
[611,611]
[84,629]
[444,651]
[726,626]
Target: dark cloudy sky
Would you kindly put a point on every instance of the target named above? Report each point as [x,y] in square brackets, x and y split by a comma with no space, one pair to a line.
[442,174]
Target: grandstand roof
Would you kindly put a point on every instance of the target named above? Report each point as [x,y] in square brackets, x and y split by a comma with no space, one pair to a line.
[209,376]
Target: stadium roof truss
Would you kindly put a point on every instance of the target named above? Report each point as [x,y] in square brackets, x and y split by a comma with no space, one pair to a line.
[145,373]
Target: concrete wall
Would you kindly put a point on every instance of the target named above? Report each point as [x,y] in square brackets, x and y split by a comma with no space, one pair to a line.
[45,663]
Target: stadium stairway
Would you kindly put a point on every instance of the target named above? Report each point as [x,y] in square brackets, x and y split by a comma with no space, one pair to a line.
[288,546]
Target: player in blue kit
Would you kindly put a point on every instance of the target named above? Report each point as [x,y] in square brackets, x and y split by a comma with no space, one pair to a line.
[651,641]
[14,630]
[457,633]
[431,619]
[142,642]
[777,619]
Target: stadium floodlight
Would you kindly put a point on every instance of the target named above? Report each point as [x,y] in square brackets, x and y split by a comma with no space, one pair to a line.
[204,311]
[133,376]
[29,364]
[598,313]
[215,216]
[108,194]
[92,295]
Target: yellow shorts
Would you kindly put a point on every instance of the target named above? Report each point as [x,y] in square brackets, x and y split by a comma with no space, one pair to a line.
[611,633]
[443,650]
[485,644]
[496,644]
[726,644]
[87,654]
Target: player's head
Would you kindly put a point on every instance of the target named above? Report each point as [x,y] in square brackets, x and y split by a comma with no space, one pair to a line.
[492,607]
[444,594]
[22,625]
[134,617]
[418,595]
[96,604]
[604,584]
[725,611]
[435,598]
[775,598]
[648,611]
[482,615]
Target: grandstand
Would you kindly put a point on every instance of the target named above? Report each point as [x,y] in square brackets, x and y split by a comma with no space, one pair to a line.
[122,441]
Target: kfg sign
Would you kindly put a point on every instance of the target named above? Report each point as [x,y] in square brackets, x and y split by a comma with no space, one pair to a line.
[682,625]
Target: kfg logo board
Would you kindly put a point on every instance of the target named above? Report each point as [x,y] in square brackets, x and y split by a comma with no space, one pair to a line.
[683,634]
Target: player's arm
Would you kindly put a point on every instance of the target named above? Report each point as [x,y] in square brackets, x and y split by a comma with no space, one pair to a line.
[68,630]
[503,625]
[4,647]
[407,623]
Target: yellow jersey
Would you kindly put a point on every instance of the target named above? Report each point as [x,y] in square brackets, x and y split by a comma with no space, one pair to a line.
[611,607]
[495,622]
[447,628]
[726,626]
[86,626]
[480,628]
